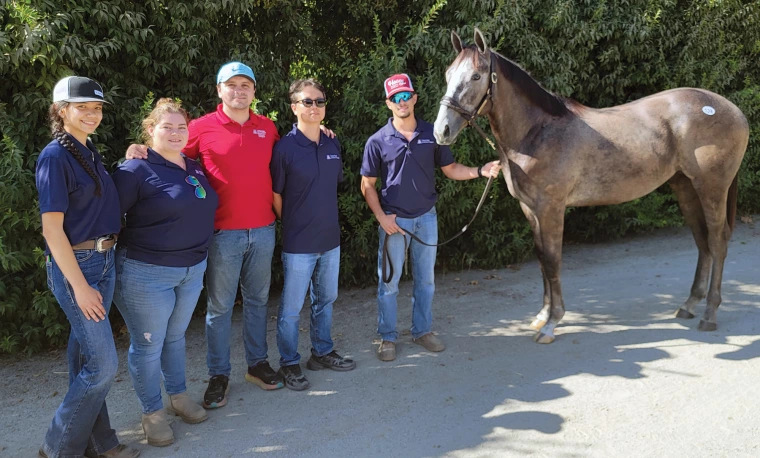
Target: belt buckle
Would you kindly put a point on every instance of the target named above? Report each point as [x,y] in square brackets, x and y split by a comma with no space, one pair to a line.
[99,243]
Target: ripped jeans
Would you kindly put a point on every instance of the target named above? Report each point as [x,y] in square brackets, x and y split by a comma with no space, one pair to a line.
[157,303]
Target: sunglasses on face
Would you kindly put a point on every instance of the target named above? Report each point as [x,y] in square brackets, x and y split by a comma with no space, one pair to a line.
[405,96]
[321,102]
[199,191]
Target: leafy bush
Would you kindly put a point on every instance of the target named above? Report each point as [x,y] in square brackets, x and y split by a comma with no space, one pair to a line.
[599,53]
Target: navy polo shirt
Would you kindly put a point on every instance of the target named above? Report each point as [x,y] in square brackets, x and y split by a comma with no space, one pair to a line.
[406,168]
[166,223]
[306,175]
[64,186]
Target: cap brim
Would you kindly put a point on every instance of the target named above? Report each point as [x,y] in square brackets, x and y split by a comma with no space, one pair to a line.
[238,74]
[84,99]
[396,91]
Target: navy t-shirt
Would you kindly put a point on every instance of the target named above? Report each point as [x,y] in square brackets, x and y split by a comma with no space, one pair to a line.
[307,177]
[64,186]
[405,168]
[166,223]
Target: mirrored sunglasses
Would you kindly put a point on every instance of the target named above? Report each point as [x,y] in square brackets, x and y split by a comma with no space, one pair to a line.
[405,96]
[321,102]
[199,191]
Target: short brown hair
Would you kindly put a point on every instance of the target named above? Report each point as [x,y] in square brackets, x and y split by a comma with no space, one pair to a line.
[163,106]
[300,84]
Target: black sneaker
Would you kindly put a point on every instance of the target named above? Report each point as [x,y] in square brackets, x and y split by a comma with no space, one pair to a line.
[217,391]
[294,379]
[265,377]
[332,361]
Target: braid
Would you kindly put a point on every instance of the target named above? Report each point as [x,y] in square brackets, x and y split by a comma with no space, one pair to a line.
[56,124]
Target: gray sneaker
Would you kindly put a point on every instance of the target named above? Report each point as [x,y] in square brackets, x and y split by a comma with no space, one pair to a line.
[431,342]
[294,378]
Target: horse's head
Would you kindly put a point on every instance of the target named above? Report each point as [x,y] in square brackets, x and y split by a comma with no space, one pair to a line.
[469,79]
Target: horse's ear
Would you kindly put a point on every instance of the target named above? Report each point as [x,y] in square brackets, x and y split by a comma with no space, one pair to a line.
[456,42]
[480,42]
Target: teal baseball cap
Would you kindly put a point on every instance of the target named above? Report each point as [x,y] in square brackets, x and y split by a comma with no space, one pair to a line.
[231,69]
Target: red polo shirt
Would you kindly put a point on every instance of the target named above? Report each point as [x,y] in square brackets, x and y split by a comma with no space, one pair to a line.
[236,159]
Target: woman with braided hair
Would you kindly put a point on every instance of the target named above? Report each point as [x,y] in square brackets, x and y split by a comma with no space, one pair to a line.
[79,205]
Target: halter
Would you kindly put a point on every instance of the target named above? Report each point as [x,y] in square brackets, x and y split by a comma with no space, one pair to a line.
[470,116]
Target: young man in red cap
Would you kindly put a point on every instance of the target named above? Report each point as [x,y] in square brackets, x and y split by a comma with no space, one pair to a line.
[404,155]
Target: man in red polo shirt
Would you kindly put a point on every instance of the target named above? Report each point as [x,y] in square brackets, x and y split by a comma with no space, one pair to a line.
[234,146]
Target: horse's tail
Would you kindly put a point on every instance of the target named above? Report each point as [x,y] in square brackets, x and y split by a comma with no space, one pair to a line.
[733,193]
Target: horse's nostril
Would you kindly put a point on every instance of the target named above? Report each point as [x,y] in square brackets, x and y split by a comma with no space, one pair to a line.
[446,131]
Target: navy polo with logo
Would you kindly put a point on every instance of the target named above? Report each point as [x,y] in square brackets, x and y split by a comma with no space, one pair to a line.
[166,223]
[306,175]
[65,186]
[406,168]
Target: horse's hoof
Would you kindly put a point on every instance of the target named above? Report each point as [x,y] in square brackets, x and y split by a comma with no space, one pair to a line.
[685,314]
[707,325]
[542,338]
[537,324]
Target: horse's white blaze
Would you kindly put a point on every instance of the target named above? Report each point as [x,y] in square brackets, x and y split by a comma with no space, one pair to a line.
[456,77]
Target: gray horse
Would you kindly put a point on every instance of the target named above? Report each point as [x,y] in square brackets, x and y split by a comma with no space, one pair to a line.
[558,153]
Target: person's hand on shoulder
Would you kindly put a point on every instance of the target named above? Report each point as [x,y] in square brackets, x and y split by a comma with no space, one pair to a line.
[137,152]
[327,131]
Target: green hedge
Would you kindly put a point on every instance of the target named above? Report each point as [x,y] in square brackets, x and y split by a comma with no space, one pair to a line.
[599,53]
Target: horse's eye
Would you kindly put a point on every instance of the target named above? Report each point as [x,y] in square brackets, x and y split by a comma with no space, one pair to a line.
[476,77]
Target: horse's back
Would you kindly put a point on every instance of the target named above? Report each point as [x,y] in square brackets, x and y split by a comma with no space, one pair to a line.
[626,151]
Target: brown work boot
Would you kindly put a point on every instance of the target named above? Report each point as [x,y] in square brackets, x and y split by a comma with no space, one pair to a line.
[386,351]
[431,342]
[120,451]
[182,406]
[157,429]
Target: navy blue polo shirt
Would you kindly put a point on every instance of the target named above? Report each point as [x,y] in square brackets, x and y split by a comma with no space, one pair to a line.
[406,168]
[166,223]
[64,186]
[306,175]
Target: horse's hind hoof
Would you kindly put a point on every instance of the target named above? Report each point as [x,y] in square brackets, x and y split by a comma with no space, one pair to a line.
[542,338]
[707,325]
[685,314]
[537,324]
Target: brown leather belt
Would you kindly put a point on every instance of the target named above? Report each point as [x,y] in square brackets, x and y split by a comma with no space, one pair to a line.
[101,244]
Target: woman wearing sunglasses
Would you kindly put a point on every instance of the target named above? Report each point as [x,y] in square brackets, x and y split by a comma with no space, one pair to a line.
[160,262]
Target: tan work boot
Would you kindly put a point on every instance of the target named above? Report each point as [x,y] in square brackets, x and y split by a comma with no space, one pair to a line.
[157,429]
[182,406]
[431,342]
[386,351]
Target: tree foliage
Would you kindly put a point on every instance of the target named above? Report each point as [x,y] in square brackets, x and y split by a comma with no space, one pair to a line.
[598,52]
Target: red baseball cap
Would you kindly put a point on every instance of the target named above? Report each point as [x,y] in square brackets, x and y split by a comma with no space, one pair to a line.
[399,82]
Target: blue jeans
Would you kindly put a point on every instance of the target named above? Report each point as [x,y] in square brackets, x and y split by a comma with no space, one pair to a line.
[157,303]
[423,271]
[319,272]
[238,256]
[81,421]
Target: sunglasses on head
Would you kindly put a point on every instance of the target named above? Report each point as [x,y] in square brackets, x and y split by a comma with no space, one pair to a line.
[309,102]
[199,191]
[405,96]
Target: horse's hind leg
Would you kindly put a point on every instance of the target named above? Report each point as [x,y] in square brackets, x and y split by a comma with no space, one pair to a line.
[543,315]
[718,234]
[691,208]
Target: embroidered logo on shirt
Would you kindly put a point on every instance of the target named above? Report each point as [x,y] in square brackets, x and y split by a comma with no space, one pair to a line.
[332,156]
[260,132]
[425,141]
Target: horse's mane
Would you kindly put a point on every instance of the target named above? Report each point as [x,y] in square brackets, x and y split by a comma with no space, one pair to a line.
[550,103]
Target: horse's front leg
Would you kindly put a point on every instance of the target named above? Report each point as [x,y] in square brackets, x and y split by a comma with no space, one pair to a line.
[551,222]
[543,315]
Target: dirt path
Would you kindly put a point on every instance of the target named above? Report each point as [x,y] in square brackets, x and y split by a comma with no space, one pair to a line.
[623,379]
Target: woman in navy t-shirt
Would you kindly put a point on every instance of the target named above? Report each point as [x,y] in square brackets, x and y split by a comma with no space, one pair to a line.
[160,262]
[80,220]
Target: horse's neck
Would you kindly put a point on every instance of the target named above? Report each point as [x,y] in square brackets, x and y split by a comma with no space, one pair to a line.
[512,118]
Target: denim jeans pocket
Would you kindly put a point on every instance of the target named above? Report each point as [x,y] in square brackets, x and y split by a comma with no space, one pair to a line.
[49,269]
[83,255]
